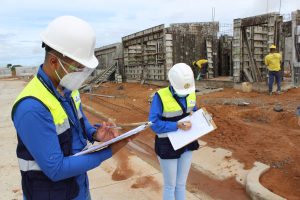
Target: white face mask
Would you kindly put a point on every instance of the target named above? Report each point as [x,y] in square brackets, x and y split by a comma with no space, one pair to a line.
[181,95]
[73,81]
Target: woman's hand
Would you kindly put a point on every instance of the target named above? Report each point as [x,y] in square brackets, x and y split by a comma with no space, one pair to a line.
[184,125]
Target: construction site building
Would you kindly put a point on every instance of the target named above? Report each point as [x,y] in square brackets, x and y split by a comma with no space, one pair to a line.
[110,59]
[251,41]
[150,53]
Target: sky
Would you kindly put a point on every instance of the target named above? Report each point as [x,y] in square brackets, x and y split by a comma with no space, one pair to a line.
[22,21]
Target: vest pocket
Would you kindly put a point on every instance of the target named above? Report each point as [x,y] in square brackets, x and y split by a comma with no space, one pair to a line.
[49,191]
[193,146]
[165,150]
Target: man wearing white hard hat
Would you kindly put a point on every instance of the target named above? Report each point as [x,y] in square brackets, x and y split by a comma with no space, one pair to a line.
[169,105]
[49,120]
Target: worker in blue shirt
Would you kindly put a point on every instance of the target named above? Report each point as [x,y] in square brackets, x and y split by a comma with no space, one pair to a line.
[169,105]
[49,120]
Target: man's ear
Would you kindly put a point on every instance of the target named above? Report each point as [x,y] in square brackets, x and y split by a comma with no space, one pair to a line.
[53,62]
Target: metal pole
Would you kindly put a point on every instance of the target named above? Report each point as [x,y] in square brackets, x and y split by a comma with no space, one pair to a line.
[279,6]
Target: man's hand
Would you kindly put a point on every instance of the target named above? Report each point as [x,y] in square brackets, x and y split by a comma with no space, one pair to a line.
[184,125]
[105,133]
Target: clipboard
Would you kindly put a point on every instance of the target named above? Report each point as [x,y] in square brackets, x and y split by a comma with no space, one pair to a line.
[103,145]
[202,124]
[209,118]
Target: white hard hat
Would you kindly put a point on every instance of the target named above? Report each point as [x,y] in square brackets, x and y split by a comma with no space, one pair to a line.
[73,38]
[181,78]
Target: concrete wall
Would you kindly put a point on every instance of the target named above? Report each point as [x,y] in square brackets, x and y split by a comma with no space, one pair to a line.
[149,54]
[144,54]
[194,41]
[296,47]
[225,56]
[109,55]
[261,31]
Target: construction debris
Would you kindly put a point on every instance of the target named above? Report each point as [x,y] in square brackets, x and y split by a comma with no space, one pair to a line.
[278,108]
[101,95]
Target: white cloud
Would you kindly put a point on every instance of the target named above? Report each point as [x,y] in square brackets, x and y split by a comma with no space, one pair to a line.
[22,21]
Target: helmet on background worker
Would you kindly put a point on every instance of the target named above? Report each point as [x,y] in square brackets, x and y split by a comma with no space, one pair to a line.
[181,78]
[75,40]
[272,48]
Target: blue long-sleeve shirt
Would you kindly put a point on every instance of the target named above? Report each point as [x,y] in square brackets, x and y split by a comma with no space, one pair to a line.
[155,116]
[36,129]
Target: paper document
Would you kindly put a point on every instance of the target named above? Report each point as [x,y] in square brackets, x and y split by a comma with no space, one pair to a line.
[202,124]
[116,139]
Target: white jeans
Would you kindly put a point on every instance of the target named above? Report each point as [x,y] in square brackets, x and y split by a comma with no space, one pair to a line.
[175,173]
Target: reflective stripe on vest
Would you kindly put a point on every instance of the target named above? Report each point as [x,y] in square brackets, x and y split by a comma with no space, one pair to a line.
[171,108]
[28,165]
[61,128]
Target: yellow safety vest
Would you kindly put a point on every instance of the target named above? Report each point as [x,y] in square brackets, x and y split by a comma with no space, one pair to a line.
[35,89]
[173,112]
[171,108]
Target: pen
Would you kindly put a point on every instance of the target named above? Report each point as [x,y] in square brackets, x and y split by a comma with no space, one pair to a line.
[115,127]
[184,123]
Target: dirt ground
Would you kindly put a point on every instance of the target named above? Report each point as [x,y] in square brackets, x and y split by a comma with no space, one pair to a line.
[253,132]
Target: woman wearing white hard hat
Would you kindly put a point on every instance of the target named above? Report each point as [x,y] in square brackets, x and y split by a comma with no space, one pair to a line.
[49,120]
[169,105]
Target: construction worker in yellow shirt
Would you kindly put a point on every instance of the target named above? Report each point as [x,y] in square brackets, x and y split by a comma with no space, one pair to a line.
[202,64]
[272,61]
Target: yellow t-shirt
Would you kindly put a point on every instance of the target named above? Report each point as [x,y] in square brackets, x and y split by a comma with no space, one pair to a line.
[272,60]
[200,62]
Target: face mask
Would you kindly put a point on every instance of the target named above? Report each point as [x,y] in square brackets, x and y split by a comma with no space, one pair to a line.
[73,81]
[179,95]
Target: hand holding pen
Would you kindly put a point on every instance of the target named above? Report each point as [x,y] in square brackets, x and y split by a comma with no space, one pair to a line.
[186,125]
[106,131]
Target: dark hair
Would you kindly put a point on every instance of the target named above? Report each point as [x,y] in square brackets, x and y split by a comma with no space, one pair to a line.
[47,48]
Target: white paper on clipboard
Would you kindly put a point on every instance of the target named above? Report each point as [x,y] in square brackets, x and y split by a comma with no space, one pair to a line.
[116,139]
[201,124]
